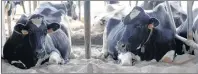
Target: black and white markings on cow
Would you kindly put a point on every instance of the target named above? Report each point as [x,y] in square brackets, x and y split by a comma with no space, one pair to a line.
[36,41]
[37,21]
[134,14]
[134,31]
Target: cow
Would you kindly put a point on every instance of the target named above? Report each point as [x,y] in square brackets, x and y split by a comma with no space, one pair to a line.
[11,6]
[42,37]
[68,8]
[141,35]
[179,14]
[113,10]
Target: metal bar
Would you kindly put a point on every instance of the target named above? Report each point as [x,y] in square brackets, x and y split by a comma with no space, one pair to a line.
[136,3]
[87,37]
[189,19]
[129,2]
[9,24]
[79,7]
[3,35]
[171,16]
[23,7]
[34,5]
[30,8]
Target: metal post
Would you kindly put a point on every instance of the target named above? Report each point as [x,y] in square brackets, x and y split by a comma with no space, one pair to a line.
[87,37]
[190,19]
[30,8]
[79,7]
[9,22]
[34,5]
[23,7]
[130,3]
[3,35]
[171,16]
[136,3]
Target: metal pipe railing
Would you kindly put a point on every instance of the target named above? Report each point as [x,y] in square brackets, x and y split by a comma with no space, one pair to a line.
[87,25]
[171,16]
[189,19]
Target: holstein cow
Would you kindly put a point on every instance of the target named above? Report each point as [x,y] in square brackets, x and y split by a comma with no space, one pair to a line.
[179,14]
[141,35]
[11,6]
[113,10]
[68,7]
[44,36]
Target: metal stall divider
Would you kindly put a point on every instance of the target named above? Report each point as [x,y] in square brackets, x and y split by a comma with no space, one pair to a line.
[87,26]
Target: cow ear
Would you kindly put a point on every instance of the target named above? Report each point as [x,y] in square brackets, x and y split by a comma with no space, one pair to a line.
[53,27]
[153,22]
[20,28]
[135,13]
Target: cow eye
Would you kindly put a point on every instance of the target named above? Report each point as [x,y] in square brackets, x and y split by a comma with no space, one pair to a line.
[123,45]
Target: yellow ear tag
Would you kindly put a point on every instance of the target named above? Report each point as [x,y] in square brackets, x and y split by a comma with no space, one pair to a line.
[24,32]
[150,26]
[49,30]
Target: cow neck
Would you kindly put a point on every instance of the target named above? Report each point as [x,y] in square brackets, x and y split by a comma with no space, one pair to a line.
[142,46]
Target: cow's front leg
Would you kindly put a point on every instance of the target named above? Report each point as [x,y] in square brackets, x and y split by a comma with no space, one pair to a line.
[168,57]
[104,52]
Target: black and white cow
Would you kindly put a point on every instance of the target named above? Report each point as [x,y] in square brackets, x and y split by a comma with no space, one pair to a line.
[43,36]
[113,10]
[141,35]
[11,6]
[68,8]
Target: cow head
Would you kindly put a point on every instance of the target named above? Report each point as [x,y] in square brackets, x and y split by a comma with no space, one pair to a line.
[138,28]
[34,33]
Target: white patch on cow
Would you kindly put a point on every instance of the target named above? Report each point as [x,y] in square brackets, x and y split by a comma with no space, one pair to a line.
[55,58]
[125,58]
[12,62]
[24,32]
[169,55]
[37,21]
[134,13]
[137,58]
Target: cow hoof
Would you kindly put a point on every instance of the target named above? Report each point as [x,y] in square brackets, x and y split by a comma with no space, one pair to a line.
[55,58]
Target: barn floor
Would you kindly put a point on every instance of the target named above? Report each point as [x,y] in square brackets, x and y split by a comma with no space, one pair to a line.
[81,65]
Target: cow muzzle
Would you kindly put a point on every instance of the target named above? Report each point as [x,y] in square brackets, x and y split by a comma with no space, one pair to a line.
[125,59]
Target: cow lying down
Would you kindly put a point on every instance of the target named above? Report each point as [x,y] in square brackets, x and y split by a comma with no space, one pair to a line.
[140,36]
[34,42]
